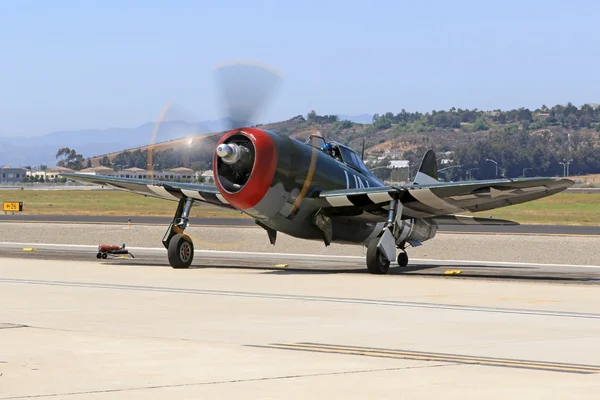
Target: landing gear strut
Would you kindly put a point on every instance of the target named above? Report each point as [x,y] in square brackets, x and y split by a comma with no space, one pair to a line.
[180,248]
[382,249]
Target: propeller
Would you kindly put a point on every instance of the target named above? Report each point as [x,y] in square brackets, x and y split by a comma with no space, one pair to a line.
[244,89]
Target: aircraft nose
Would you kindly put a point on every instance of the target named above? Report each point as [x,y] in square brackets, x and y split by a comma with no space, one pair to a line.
[228,152]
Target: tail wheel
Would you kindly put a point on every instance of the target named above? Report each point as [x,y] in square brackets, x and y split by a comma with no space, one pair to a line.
[180,251]
[377,263]
[402,259]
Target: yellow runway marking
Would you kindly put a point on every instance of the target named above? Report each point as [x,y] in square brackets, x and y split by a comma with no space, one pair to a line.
[440,357]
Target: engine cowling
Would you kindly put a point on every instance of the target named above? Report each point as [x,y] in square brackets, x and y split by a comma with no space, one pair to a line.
[417,230]
[244,166]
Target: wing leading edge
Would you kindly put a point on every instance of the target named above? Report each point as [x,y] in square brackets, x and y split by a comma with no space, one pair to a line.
[207,194]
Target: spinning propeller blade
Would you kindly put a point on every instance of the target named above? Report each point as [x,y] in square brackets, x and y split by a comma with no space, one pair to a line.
[244,90]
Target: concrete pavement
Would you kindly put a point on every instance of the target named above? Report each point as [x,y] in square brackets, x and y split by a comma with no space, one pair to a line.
[100,330]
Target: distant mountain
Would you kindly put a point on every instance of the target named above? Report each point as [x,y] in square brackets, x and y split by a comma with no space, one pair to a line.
[36,150]
[16,151]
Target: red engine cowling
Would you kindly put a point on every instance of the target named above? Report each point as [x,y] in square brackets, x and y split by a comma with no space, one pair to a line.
[244,166]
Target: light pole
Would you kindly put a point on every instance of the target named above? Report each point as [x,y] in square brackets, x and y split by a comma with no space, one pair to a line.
[490,160]
[564,168]
[525,169]
[469,171]
[568,163]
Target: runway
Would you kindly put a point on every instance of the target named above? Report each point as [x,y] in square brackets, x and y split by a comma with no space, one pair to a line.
[122,329]
[247,222]
[290,263]
[296,320]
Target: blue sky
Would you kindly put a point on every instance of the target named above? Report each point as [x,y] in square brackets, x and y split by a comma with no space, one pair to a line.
[98,64]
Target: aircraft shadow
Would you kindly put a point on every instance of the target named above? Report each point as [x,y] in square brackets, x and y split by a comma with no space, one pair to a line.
[339,268]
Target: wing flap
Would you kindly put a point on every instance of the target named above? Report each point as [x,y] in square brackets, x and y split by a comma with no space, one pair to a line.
[363,197]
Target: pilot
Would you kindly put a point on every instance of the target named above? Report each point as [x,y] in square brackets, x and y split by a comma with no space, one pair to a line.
[332,151]
[328,148]
[336,154]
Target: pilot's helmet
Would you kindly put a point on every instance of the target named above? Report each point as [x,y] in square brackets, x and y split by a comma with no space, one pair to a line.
[327,147]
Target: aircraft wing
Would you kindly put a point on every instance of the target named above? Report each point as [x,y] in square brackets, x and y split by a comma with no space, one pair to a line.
[440,198]
[207,194]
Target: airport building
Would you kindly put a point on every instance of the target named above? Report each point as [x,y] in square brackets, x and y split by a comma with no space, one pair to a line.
[48,174]
[12,174]
[175,174]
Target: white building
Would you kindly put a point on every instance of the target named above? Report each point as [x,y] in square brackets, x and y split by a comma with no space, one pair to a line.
[205,176]
[99,170]
[398,164]
[49,174]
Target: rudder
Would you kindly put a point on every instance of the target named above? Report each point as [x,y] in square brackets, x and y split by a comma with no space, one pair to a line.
[427,173]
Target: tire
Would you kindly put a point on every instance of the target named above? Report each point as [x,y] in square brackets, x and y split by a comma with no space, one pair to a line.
[99,255]
[402,259]
[376,261]
[104,256]
[180,251]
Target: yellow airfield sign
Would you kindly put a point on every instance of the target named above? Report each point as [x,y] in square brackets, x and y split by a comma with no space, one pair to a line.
[12,206]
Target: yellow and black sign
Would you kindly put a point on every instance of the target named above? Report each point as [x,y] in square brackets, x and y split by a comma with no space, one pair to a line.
[12,206]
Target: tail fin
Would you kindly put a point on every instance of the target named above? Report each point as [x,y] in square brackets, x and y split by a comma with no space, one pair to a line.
[428,170]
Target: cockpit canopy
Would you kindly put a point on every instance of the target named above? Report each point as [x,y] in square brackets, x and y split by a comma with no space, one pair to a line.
[339,151]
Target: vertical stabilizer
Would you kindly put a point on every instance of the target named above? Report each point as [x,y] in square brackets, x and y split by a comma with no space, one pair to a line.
[427,173]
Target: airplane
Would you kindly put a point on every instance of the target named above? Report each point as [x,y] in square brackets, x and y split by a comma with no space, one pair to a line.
[318,190]
[322,191]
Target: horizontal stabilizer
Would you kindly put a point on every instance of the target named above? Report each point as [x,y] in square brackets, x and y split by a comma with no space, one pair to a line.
[467,220]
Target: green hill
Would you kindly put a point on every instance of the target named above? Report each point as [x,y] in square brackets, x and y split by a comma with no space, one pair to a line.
[520,140]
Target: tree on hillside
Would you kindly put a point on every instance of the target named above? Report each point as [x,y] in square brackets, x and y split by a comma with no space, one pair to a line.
[88,163]
[105,162]
[69,158]
[321,119]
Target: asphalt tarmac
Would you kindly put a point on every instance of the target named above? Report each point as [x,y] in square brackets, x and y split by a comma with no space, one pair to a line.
[285,263]
[247,222]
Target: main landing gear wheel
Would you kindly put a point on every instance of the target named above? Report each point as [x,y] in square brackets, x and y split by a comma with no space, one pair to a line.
[180,251]
[377,263]
[402,259]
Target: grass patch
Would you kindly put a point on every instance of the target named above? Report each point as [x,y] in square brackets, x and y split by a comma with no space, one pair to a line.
[560,209]
[103,202]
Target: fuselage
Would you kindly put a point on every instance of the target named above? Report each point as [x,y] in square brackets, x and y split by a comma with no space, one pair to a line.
[285,176]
